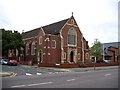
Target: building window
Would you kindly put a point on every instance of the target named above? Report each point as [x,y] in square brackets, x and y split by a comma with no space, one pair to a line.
[78,55]
[87,55]
[40,40]
[33,48]
[53,44]
[72,37]
[27,48]
[44,46]
[64,55]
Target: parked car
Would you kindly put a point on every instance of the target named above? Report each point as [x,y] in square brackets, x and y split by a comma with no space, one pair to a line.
[106,61]
[4,61]
[12,62]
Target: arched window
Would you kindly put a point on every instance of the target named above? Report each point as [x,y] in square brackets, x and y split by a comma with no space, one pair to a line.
[40,40]
[72,37]
[33,48]
[87,55]
[53,44]
[78,55]
[27,48]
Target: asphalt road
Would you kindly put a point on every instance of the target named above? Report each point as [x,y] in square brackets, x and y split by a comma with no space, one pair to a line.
[23,69]
[90,79]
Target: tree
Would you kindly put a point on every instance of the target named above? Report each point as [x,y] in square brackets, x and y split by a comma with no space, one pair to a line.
[95,49]
[10,40]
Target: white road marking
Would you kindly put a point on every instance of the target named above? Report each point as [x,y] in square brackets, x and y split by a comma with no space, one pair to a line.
[31,84]
[50,72]
[39,73]
[39,84]
[28,74]
[70,80]
[18,86]
[107,74]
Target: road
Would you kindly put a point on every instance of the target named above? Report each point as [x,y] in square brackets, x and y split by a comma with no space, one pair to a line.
[89,79]
[23,69]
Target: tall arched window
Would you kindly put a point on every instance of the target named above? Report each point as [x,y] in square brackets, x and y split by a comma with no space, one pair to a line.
[27,48]
[33,48]
[87,55]
[72,36]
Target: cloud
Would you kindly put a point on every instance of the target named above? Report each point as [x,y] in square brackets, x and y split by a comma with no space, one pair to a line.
[96,18]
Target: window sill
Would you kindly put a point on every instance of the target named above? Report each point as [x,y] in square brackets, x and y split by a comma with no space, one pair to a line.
[71,45]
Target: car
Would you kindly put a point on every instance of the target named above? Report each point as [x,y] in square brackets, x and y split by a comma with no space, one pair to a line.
[12,62]
[4,61]
[106,61]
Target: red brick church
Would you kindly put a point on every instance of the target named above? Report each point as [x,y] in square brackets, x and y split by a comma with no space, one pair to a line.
[56,44]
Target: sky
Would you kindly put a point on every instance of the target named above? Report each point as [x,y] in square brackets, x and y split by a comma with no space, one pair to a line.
[97,19]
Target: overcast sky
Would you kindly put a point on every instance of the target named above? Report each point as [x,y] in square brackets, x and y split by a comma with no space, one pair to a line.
[96,18]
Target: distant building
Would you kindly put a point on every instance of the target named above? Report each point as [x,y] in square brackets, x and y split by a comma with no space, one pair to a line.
[110,51]
[57,43]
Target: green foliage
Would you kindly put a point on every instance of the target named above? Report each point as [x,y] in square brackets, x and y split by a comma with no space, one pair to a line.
[95,49]
[10,40]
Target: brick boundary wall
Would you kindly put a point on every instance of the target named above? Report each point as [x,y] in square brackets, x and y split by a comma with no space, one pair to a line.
[46,65]
[70,65]
[25,62]
[77,65]
[101,64]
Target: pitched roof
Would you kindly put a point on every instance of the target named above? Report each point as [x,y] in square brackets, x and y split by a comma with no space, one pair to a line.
[107,45]
[53,29]
[31,33]
[111,44]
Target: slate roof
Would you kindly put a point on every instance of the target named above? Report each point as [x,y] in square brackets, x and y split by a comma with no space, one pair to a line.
[31,33]
[108,45]
[111,44]
[53,29]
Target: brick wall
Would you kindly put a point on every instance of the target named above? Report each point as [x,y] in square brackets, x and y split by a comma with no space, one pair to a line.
[77,65]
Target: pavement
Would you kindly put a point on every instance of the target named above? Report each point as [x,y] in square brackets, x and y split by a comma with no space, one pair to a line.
[12,74]
[83,69]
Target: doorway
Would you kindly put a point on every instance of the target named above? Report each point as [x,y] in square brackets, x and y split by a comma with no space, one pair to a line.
[72,56]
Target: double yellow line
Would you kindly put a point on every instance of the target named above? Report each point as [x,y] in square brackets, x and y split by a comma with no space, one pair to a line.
[13,74]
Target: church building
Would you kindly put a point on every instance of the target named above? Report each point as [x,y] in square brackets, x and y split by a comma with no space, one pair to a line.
[56,44]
